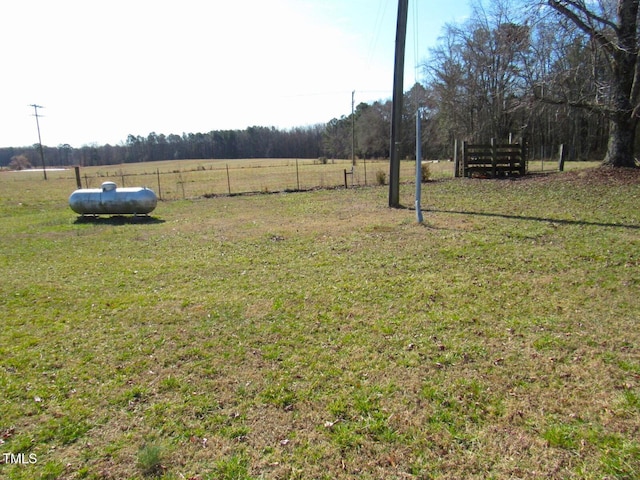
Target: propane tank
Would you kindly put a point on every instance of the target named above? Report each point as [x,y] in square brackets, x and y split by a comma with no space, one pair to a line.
[111,200]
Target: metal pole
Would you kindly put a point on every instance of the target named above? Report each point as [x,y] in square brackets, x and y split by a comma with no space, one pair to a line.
[561,160]
[418,168]
[35,109]
[396,119]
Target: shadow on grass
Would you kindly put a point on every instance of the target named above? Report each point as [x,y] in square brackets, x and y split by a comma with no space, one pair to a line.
[118,220]
[559,221]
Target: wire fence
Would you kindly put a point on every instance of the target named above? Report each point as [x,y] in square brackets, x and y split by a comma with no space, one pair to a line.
[190,179]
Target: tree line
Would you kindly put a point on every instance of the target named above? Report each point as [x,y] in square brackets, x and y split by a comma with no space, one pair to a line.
[550,71]
[252,142]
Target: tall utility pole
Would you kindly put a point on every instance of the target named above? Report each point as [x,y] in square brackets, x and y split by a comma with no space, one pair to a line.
[396,118]
[35,109]
[353,131]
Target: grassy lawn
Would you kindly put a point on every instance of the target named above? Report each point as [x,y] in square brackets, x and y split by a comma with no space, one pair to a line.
[324,335]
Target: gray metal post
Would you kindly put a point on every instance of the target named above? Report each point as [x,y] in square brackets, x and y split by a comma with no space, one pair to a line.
[418,168]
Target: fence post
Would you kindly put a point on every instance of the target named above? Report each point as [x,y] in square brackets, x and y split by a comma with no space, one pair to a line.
[456,161]
[523,157]
[561,160]
[297,175]
[181,184]
[464,158]
[159,189]
[228,180]
[494,158]
[78,180]
[364,164]
[345,179]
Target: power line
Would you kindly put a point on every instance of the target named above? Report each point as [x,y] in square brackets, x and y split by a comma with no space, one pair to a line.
[416,43]
[377,28]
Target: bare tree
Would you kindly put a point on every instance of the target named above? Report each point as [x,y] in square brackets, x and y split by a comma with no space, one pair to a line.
[476,74]
[612,26]
[19,162]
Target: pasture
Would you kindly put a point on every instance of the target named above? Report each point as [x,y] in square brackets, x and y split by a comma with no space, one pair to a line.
[194,178]
[323,335]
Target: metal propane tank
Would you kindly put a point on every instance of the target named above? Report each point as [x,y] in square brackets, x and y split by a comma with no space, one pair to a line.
[111,200]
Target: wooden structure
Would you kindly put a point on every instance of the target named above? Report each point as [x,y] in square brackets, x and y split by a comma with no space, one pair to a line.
[493,160]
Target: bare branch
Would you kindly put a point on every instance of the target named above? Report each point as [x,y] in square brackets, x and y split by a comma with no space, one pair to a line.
[562,6]
[580,6]
[582,103]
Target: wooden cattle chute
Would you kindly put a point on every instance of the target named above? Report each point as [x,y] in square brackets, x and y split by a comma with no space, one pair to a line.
[494,159]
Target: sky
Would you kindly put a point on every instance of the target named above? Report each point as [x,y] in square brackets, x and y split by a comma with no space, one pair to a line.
[105,69]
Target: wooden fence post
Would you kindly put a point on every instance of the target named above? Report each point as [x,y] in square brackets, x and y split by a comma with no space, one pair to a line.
[364,164]
[464,158]
[456,162]
[523,157]
[494,158]
[78,180]
[159,189]
[561,160]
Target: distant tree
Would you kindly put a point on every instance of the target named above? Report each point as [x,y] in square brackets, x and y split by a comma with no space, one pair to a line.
[372,130]
[612,27]
[19,162]
[5,156]
[337,138]
[416,98]
[65,153]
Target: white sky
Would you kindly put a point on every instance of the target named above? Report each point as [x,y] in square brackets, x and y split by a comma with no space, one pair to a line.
[104,69]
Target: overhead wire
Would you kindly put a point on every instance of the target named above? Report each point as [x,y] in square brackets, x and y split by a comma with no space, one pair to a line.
[415,41]
[377,28]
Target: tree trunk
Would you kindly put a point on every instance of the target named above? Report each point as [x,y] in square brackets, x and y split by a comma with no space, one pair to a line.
[618,38]
[620,149]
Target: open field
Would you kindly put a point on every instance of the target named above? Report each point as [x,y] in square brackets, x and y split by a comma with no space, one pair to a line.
[184,179]
[323,335]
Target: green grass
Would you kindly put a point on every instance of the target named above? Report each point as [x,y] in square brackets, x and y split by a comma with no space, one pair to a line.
[150,460]
[323,335]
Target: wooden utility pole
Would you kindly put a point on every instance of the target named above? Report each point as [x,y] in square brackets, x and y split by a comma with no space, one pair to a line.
[353,131]
[35,109]
[396,118]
